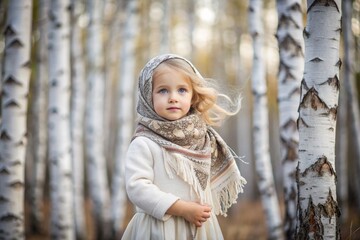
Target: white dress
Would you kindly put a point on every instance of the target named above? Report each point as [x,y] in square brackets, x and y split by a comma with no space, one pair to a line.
[153,190]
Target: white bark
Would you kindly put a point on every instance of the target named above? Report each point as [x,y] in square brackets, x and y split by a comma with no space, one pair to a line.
[113,43]
[165,27]
[39,113]
[59,121]
[317,208]
[78,99]
[191,26]
[97,175]
[14,102]
[291,49]
[125,111]
[2,40]
[261,125]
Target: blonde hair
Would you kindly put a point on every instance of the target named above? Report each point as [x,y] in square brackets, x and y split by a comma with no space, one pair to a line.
[205,99]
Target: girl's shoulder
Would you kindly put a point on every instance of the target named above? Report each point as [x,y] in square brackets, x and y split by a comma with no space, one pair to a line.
[144,142]
[143,146]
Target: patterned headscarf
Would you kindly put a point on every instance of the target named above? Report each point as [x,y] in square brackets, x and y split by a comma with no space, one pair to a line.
[197,153]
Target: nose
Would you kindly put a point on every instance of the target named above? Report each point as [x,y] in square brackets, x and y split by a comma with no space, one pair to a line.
[172,98]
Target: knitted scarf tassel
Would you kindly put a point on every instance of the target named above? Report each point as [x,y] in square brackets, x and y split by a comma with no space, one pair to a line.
[176,163]
[224,189]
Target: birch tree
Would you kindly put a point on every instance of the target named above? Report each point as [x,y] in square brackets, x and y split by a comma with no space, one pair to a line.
[94,121]
[59,121]
[191,26]
[125,112]
[78,99]
[3,9]
[261,125]
[13,131]
[318,209]
[165,27]
[39,115]
[342,123]
[350,88]
[291,51]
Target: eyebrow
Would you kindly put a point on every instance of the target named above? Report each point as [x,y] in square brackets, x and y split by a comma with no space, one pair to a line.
[178,86]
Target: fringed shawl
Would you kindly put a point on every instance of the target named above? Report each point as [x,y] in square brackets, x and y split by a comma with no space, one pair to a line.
[198,154]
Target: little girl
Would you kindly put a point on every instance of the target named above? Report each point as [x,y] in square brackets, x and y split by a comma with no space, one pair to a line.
[179,172]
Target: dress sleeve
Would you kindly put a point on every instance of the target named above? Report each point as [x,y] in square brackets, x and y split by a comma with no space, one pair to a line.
[139,174]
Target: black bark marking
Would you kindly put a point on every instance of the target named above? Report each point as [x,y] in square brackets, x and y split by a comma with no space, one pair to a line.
[4,199]
[326,3]
[301,120]
[54,83]
[11,103]
[16,43]
[317,59]
[11,80]
[16,185]
[310,222]
[306,34]
[9,217]
[311,99]
[9,31]
[4,171]
[27,64]
[321,166]
[295,7]
[330,209]
[304,85]
[285,21]
[333,81]
[339,63]
[5,136]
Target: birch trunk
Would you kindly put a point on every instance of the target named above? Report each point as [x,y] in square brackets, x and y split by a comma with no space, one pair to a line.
[350,88]
[3,8]
[318,209]
[261,125]
[97,175]
[78,99]
[341,149]
[39,114]
[191,27]
[115,24]
[165,27]
[59,121]
[125,112]
[291,51]
[342,124]
[13,131]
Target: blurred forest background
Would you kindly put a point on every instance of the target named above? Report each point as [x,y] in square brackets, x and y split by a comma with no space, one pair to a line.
[109,42]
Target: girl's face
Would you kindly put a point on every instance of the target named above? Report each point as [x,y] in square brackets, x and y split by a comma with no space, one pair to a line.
[172,93]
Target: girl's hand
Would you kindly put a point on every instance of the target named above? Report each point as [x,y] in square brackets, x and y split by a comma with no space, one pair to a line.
[193,212]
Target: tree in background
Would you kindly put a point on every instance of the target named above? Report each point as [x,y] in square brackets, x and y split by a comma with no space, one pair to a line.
[125,110]
[318,209]
[261,125]
[59,140]
[94,121]
[78,99]
[13,129]
[342,132]
[39,130]
[291,51]
[351,93]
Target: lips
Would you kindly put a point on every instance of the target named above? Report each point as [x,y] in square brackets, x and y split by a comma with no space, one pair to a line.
[173,108]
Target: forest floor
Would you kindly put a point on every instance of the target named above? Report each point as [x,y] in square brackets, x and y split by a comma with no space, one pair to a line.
[246,221]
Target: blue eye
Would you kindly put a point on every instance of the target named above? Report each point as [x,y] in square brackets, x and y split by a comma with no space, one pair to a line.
[182,90]
[163,91]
